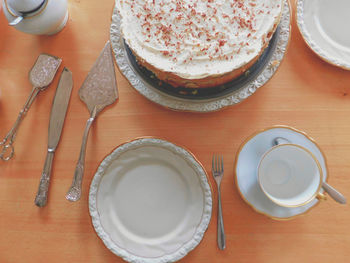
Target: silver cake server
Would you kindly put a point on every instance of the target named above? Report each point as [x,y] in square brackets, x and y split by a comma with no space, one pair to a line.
[98,91]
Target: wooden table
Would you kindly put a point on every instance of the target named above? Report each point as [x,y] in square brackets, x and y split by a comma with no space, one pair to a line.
[306,93]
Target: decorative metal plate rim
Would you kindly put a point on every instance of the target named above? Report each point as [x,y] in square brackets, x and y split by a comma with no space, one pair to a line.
[312,44]
[211,105]
[207,209]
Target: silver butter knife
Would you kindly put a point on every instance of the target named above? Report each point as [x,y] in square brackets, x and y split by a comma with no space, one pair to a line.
[58,114]
[98,91]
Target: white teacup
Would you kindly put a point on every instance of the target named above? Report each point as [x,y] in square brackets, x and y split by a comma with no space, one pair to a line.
[290,175]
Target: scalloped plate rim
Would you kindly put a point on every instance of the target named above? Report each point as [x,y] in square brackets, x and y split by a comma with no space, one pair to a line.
[310,42]
[207,209]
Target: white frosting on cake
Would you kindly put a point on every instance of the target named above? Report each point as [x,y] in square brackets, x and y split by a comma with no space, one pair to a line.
[198,38]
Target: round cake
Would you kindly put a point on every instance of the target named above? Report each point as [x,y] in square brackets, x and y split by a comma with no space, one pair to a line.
[198,43]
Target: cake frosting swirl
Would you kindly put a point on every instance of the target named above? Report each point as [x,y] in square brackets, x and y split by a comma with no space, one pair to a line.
[196,39]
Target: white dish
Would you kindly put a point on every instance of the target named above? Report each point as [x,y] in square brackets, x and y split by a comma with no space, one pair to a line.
[150,201]
[324,27]
[246,174]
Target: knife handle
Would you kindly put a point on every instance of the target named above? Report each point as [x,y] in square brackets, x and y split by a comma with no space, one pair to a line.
[74,191]
[41,196]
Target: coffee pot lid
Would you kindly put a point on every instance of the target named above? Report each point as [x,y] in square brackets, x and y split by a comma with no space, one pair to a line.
[23,6]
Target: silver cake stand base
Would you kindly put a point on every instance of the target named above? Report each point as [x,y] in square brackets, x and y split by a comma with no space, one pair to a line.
[202,100]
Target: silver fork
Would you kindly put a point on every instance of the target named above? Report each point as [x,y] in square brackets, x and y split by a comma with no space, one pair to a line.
[218,172]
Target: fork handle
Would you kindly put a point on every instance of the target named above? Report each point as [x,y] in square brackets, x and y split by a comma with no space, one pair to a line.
[221,230]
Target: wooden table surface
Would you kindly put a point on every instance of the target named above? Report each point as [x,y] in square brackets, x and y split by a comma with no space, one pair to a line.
[305,93]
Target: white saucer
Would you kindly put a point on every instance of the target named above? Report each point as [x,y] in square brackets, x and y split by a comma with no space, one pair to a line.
[247,160]
[324,25]
[150,201]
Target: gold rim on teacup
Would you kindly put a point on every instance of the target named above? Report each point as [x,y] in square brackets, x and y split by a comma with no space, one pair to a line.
[317,194]
[256,133]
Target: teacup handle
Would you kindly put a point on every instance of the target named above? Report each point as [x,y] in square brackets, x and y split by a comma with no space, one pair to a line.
[336,195]
[321,197]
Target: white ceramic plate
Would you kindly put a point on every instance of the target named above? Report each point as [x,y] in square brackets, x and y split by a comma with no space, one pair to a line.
[150,201]
[324,25]
[246,165]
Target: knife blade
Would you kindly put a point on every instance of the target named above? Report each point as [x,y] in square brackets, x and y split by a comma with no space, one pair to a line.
[57,116]
[59,108]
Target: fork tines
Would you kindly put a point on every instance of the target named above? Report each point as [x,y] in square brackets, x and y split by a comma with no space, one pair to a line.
[218,164]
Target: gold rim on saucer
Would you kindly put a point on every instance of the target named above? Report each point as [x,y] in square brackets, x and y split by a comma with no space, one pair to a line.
[235,169]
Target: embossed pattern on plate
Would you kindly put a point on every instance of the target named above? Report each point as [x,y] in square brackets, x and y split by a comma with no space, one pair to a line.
[236,95]
[150,173]
[324,27]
